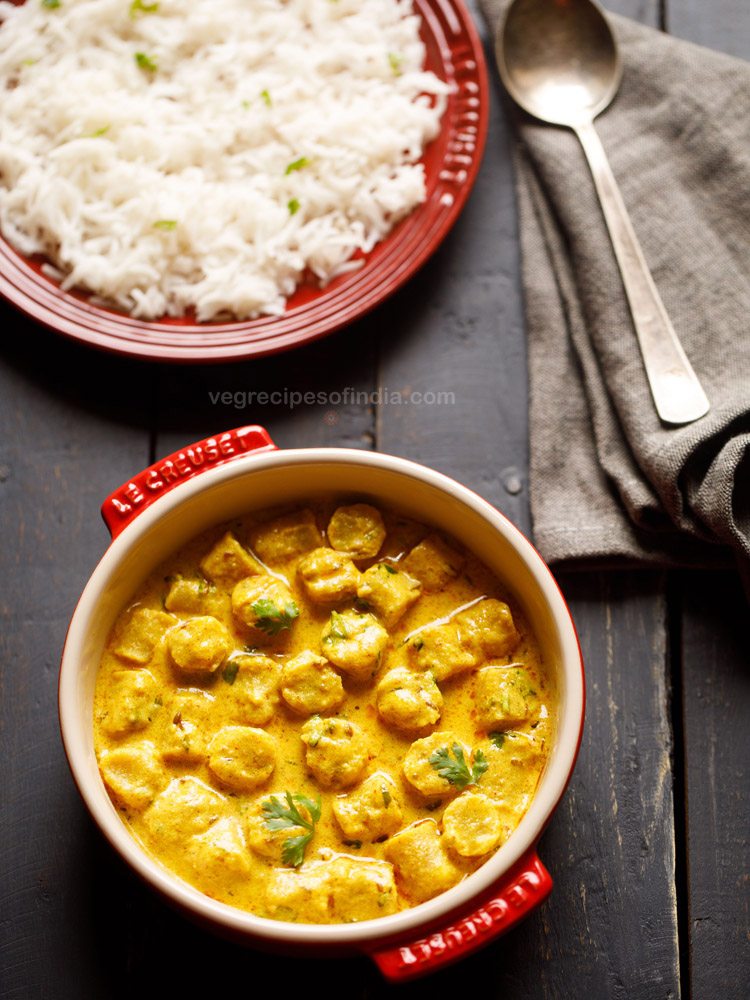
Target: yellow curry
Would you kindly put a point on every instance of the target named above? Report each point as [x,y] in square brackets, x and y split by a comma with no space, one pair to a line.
[325,715]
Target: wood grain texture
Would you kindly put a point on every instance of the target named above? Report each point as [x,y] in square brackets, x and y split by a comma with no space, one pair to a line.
[715,688]
[70,431]
[615,853]
[458,329]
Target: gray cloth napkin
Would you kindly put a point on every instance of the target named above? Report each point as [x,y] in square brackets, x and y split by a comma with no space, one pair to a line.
[609,481]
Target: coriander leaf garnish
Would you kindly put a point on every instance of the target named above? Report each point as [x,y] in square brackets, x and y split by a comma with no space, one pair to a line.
[395,61]
[272,619]
[51,4]
[456,770]
[167,225]
[138,7]
[293,206]
[297,165]
[266,98]
[293,851]
[100,131]
[389,569]
[387,797]
[284,814]
[479,766]
[145,62]
[497,739]
[337,628]
[230,672]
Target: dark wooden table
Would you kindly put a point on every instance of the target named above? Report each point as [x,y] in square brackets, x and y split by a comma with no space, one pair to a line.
[649,848]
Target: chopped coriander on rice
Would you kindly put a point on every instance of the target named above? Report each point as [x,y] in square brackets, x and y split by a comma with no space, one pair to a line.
[138,7]
[145,62]
[299,164]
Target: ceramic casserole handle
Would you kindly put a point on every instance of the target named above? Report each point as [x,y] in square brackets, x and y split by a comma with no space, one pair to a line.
[127,502]
[526,886]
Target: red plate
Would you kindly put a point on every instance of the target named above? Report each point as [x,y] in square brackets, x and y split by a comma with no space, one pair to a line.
[451,161]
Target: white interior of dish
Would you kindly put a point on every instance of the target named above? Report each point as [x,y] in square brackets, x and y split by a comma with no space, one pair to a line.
[255,482]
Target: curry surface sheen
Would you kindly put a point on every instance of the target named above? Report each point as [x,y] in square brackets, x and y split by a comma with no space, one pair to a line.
[322,715]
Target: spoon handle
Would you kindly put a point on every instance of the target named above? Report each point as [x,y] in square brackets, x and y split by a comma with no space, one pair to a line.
[678,395]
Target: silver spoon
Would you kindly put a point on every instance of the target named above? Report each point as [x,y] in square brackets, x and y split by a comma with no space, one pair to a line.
[559,61]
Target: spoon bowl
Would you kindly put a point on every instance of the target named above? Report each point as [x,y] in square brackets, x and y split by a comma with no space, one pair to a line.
[559,61]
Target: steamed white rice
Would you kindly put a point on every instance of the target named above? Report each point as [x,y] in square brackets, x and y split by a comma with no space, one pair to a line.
[206,154]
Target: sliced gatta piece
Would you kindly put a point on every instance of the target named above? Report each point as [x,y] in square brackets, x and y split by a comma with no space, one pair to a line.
[242,757]
[218,853]
[389,592]
[310,685]
[133,774]
[328,577]
[408,700]
[472,825]
[358,529]
[184,726]
[331,891]
[262,834]
[433,562]
[371,811]
[489,626]
[199,645]
[190,596]
[265,607]
[444,649]
[142,633]
[336,751]
[423,866]
[187,806]
[286,537]
[437,765]
[253,688]
[503,696]
[228,562]
[354,642]
[132,701]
